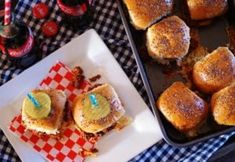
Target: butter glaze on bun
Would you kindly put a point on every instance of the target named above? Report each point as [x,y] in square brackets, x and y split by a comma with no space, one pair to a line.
[143,13]
[215,71]
[168,40]
[223,106]
[206,9]
[182,108]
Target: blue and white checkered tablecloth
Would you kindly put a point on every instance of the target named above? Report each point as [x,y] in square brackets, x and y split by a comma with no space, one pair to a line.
[107,23]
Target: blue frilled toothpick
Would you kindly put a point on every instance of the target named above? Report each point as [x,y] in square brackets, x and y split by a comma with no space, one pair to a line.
[33,100]
[93,100]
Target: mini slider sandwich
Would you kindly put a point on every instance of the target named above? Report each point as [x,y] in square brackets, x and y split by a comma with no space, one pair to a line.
[43,111]
[98,110]
[183,108]
[206,9]
[215,71]
[143,13]
[223,104]
[168,40]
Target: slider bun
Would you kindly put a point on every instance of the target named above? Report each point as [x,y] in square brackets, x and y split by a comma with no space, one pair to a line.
[168,39]
[100,123]
[206,9]
[143,13]
[223,106]
[52,123]
[182,107]
[215,71]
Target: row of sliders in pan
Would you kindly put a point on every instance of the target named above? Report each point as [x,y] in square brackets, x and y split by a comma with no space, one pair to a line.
[168,39]
[143,14]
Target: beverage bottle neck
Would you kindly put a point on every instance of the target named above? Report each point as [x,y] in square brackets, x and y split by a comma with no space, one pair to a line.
[73,7]
[16,39]
[9,31]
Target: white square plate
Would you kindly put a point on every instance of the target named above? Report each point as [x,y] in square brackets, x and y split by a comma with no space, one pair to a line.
[89,52]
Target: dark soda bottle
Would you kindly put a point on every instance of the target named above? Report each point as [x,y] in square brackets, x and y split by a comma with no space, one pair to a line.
[17,42]
[76,13]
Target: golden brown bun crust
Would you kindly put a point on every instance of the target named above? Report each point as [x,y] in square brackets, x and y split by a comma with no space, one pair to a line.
[168,39]
[223,106]
[182,107]
[215,71]
[117,111]
[206,9]
[52,123]
[145,12]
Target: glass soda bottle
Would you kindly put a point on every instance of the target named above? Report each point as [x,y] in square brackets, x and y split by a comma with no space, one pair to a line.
[76,13]
[17,42]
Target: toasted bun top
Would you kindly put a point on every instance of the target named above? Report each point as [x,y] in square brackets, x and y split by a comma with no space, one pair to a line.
[215,71]
[168,39]
[145,12]
[99,122]
[206,9]
[182,107]
[223,106]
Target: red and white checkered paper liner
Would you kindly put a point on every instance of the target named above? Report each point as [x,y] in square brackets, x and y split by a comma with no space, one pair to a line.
[69,147]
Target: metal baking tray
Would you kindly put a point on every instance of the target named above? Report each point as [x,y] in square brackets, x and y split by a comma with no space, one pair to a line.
[157,78]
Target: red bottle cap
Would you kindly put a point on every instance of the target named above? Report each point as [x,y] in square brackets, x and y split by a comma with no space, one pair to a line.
[49,28]
[40,10]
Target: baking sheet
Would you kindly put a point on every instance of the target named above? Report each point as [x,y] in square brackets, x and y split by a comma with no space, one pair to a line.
[158,77]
